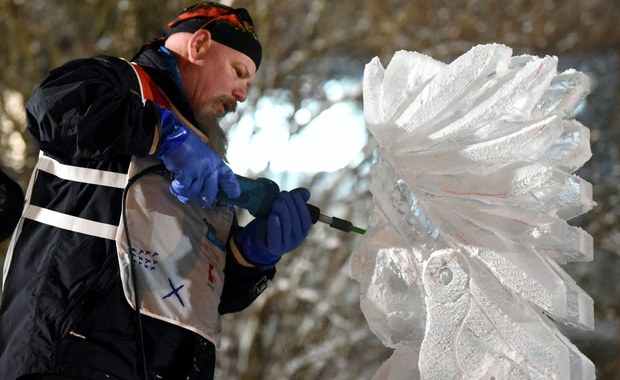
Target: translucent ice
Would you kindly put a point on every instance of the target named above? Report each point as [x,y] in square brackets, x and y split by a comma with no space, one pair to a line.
[473,186]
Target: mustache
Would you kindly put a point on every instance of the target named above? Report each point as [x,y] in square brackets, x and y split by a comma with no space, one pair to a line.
[229,103]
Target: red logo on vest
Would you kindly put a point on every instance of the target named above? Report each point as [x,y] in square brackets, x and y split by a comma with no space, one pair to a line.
[210,277]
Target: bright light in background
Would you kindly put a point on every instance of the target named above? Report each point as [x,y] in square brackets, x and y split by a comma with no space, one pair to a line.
[329,142]
[12,117]
[253,151]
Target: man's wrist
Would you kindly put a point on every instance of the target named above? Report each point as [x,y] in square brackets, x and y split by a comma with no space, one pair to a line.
[238,255]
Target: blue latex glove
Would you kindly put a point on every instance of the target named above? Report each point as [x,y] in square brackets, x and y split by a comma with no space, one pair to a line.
[198,170]
[263,241]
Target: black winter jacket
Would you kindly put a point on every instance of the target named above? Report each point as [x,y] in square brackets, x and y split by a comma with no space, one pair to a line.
[63,310]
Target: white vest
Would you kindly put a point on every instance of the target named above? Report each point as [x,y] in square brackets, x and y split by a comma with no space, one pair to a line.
[179,253]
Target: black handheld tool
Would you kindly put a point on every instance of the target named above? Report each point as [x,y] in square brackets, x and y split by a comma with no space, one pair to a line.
[257,196]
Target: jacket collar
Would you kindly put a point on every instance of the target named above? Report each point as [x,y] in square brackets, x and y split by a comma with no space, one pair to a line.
[165,74]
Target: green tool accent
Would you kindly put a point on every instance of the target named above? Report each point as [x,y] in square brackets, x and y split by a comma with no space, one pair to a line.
[358,230]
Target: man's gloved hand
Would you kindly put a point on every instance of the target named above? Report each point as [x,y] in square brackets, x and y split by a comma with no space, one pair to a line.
[198,170]
[263,241]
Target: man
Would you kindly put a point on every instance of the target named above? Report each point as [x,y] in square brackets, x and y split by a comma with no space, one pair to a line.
[123,212]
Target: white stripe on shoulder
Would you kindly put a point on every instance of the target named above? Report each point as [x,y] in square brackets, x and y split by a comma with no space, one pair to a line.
[79,174]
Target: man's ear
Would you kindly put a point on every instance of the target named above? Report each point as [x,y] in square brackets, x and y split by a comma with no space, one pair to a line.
[198,44]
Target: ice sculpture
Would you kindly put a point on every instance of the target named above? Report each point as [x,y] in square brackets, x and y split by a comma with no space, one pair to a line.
[460,270]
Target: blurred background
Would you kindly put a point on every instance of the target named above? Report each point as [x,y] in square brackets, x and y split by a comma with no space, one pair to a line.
[308,325]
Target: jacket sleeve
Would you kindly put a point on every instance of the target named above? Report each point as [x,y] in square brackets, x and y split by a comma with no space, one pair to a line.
[242,284]
[92,109]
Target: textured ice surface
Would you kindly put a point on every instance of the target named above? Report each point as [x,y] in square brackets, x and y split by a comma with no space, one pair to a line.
[473,186]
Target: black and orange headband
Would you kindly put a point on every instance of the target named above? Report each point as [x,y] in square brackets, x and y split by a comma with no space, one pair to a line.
[232,27]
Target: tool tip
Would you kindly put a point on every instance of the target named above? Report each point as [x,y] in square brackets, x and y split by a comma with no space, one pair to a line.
[358,230]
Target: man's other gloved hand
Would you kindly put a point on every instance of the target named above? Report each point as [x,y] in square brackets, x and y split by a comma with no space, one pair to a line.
[263,241]
[198,170]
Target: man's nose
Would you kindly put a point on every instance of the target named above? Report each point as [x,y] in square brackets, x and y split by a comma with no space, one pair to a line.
[240,93]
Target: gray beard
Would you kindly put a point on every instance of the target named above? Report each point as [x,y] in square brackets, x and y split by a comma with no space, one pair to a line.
[210,125]
[218,140]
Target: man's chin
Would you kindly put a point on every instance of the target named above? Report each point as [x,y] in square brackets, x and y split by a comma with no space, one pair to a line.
[208,123]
